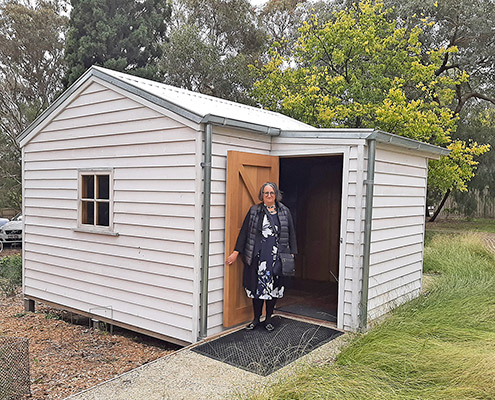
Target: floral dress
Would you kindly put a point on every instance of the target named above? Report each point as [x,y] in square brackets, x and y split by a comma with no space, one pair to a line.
[269,286]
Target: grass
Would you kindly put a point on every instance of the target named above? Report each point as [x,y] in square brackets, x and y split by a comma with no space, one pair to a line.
[10,274]
[438,346]
[472,225]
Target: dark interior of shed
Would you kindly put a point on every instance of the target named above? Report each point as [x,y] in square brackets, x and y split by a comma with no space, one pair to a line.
[312,189]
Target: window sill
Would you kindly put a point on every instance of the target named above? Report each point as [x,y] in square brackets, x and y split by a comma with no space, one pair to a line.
[94,230]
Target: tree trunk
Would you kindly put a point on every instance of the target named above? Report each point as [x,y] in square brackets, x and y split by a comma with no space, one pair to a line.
[440,206]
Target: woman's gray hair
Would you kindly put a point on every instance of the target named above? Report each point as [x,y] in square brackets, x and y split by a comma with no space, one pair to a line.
[278,193]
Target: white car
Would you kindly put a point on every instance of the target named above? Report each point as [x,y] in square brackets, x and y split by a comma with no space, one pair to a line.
[3,221]
[11,232]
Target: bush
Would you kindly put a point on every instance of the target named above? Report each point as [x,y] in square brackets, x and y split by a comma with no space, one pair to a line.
[10,274]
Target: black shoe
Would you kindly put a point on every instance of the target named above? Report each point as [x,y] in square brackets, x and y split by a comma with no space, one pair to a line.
[251,326]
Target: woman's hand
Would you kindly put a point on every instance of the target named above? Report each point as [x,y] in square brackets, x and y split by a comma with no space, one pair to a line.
[231,259]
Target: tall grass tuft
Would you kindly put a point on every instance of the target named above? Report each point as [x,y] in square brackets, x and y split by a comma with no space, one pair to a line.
[438,346]
[10,274]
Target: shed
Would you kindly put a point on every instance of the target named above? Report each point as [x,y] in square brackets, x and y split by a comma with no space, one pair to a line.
[134,192]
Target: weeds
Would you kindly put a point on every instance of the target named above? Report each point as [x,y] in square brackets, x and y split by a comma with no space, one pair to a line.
[52,316]
[10,274]
[438,346]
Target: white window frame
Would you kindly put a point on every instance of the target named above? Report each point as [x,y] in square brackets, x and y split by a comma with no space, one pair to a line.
[93,228]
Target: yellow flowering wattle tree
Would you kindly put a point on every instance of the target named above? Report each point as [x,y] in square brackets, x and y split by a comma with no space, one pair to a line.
[361,69]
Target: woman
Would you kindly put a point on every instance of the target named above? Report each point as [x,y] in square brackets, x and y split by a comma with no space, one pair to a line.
[267,231]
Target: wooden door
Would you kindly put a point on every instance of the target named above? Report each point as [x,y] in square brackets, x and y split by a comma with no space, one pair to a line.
[246,172]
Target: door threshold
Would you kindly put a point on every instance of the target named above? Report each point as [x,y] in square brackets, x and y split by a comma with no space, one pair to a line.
[304,318]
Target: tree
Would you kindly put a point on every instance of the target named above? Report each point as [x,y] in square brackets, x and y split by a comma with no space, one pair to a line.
[478,126]
[281,19]
[124,35]
[361,69]
[467,26]
[211,46]
[31,69]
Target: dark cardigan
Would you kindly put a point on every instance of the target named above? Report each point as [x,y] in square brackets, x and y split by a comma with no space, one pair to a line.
[249,240]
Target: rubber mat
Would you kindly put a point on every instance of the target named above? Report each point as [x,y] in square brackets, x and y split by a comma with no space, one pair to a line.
[310,311]
[264,352]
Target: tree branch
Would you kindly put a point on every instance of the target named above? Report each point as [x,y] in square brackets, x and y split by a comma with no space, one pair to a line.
[442,203]
[444,66]
[465,98]
[329,58]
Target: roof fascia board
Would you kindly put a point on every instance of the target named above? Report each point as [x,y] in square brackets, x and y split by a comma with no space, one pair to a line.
[46,116]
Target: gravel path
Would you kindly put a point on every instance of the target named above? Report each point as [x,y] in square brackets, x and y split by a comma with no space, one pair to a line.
[186,375]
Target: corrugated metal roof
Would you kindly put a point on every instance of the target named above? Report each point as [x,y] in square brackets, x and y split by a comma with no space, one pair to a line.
[201,108]
[203,105]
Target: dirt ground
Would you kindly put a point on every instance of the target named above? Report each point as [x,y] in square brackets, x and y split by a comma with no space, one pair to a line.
[8,251]
[66,357]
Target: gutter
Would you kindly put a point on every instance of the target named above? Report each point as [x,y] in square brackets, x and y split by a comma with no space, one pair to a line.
[235,123]
[435,152]
[385,137]
[368,214]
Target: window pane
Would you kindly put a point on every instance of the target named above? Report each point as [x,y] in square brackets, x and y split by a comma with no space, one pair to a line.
[88,212]
[103,187]
[88,187]
[103,214]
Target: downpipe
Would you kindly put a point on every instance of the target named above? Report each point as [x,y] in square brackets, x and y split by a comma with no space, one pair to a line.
[368,214]
[205,257]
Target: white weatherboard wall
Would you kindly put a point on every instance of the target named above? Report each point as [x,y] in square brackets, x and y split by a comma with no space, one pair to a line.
[397,237]
[147,275]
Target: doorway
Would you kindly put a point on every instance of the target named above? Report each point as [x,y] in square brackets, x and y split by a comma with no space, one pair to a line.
[312,189]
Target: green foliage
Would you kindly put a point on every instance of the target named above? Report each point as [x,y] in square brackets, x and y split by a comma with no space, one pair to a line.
[454,171]
[124,35]
[52,316]
[467,26]
[211,45]
[10,274]
[361,69]
[438,346]
[31,68]
[358,70]
[479,125]
[281,19]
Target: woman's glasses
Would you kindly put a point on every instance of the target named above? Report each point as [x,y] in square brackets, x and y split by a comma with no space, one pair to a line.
[269,193]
